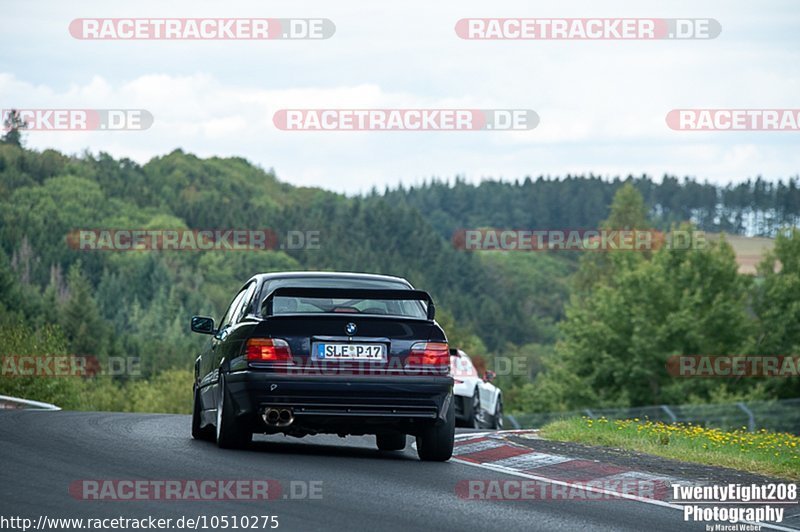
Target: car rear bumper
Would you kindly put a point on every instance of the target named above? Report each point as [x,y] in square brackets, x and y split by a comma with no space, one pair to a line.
[351,404]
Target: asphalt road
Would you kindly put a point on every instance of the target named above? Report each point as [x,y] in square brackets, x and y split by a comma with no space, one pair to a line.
[361,488]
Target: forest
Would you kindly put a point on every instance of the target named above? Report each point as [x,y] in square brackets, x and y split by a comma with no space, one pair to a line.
[581,328]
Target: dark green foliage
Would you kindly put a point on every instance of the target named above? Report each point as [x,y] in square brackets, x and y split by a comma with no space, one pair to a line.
[756,205]
[13,123]
[629,310]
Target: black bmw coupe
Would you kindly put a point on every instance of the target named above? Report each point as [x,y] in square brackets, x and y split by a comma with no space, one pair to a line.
[304,353]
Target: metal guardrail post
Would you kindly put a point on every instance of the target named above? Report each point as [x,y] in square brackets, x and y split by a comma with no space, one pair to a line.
[590,414]
[669,412]
[513,421]
[751,419]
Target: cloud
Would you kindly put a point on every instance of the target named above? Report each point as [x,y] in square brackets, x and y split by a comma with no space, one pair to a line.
[602,105]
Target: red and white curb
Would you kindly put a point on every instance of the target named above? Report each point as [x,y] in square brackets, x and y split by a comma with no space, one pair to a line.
[492,451]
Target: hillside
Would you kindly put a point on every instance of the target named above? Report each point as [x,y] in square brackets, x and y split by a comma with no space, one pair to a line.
[527,306]
[47,195]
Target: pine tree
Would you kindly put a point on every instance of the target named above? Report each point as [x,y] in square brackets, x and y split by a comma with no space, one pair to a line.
[13,124]
[80,319]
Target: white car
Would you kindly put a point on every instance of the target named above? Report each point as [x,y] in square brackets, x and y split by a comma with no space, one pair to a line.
[479,403]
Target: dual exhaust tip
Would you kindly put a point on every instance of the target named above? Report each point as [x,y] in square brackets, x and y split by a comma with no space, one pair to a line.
[278,417]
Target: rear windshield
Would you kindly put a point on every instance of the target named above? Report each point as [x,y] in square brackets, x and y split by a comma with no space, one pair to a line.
[316,305]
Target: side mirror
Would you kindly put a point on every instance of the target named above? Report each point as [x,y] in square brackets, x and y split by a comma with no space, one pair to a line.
[489,376]
[203,325]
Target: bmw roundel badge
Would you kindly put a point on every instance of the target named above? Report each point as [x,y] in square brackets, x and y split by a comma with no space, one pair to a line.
[350,329]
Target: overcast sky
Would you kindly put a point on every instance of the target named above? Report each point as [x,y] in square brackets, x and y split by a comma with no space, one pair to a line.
[602,104]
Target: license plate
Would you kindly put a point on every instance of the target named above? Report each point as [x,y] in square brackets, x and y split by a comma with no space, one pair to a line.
[350,352]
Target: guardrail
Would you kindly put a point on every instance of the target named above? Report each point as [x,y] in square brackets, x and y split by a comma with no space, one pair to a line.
[779,415]
[15,403]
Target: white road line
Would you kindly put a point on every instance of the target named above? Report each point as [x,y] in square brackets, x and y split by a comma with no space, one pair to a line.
[646,477]
[531,460]
[472,435]
[478,446]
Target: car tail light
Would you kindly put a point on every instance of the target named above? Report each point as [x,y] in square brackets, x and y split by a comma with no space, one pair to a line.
[268,350]
[429,354]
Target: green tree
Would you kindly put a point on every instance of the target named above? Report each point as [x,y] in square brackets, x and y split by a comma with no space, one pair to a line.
[628,212]
[9,293]
[776,303]
[80,319]
[618,341]
[13,124]
[18,340]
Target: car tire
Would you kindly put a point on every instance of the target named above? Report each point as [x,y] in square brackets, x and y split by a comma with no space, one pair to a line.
[391,441]
[435,443]
[230,432]
[474,420]
[498,414]
[199,433]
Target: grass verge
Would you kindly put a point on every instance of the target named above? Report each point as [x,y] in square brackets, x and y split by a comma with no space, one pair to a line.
[767,453]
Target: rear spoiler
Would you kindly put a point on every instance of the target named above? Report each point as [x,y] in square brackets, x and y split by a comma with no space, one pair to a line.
[348,293]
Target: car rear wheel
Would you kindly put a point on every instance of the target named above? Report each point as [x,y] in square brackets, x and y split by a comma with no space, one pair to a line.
[391,441]
[230,432]
[435,443]
[498,414]
[475,414]
[198,432]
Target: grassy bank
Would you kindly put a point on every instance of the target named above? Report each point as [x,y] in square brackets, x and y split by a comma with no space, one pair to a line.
[169,392]
[763,452]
